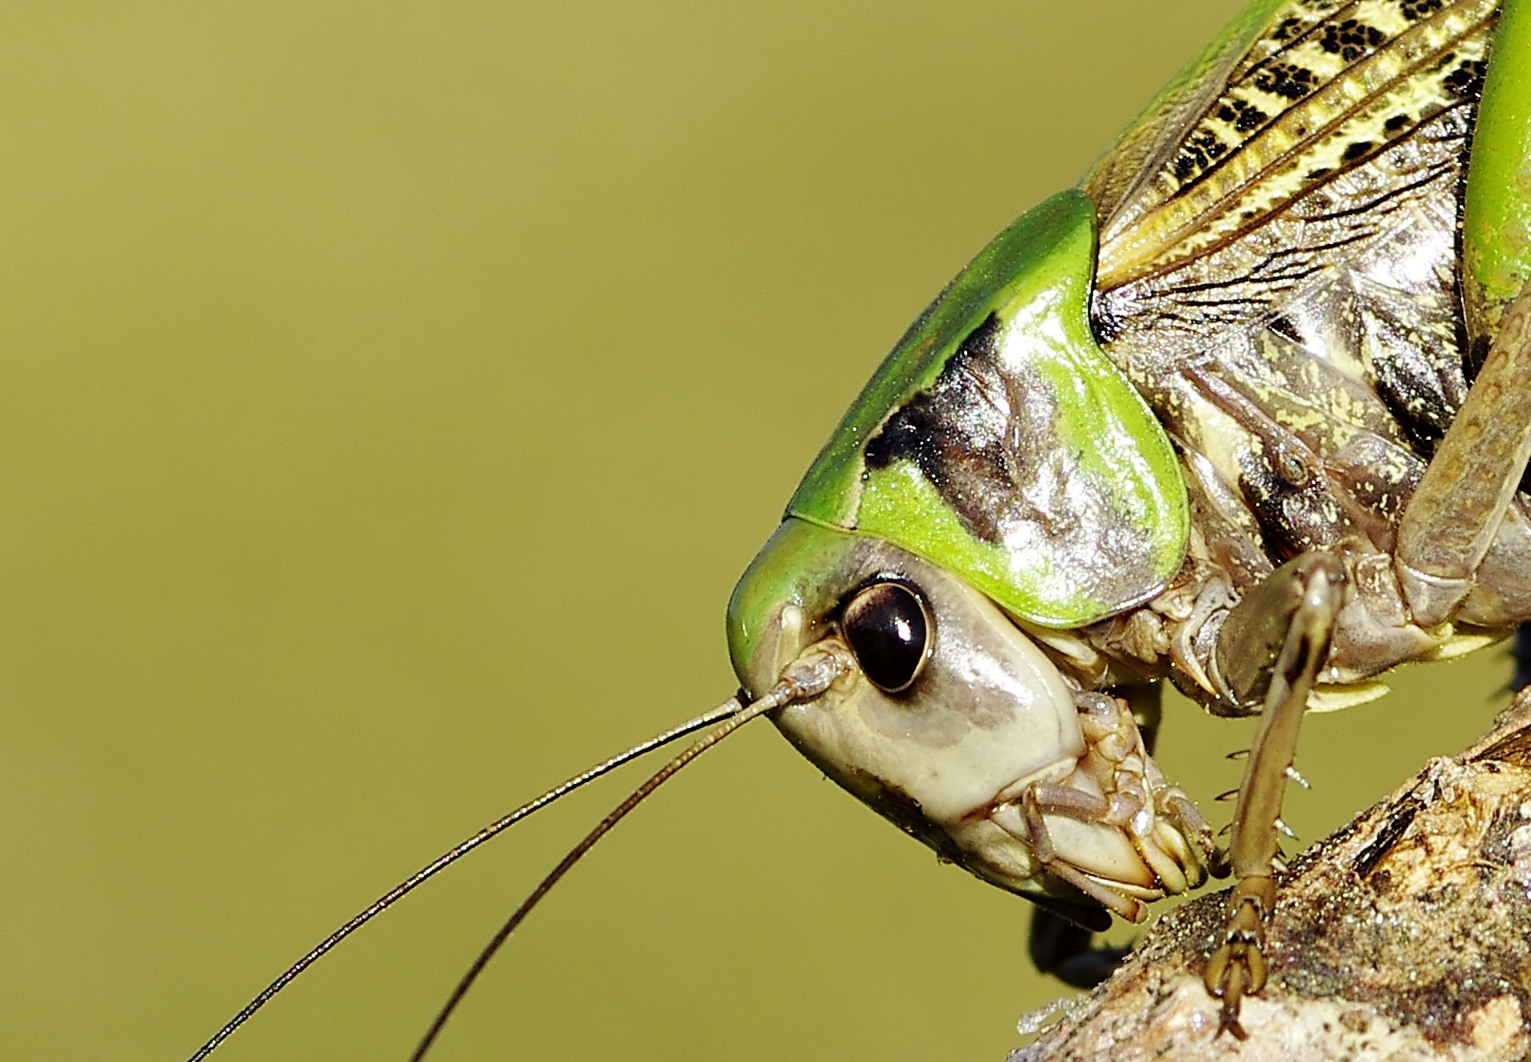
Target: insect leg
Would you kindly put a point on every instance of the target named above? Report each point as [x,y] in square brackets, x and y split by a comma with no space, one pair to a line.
[1451,519]
[1060,800]
[1059,945]
[1272,647]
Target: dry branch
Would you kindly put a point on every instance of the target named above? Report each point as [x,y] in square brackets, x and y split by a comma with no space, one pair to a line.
[1405,935]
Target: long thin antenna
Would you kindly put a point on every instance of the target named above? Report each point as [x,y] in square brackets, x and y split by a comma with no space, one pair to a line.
[617,814]
[807,676]
[727,709]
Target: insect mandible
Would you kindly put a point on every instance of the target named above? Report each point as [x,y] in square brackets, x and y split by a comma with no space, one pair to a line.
[908,443]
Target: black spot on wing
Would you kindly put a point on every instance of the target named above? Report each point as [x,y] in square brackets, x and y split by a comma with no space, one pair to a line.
[1244,116]
[1198,153]
[1351,39]
[1289,28]
[1357,151]
[1414,10]
[1466,81]
[1285,79]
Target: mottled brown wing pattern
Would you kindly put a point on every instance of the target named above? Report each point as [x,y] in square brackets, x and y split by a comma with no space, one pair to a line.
[1280,278]
[1325,88]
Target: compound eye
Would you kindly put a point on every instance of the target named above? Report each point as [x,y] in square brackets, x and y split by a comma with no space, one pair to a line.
[888,629]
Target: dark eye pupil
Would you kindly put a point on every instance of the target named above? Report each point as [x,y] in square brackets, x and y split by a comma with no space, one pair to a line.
[886,628]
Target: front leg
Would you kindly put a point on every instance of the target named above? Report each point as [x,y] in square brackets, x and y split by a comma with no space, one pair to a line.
[1272,648]
[1059,942]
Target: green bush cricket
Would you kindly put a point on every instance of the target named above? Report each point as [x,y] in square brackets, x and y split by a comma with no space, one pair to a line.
[850,489]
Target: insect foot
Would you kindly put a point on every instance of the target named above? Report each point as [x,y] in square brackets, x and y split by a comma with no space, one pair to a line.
[1405,934]
[1113,828]
[1237,968]
[1165,827]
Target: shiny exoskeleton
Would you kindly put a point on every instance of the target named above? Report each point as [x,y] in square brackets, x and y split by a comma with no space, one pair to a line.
[1246,412]
[1279,275]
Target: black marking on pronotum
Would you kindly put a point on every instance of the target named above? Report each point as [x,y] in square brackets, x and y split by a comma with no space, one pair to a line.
[941,431]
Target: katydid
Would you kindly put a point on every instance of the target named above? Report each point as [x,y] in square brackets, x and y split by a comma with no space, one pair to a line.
[1239,413]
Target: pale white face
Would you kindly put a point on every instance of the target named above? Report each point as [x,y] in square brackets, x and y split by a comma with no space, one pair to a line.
[951,715]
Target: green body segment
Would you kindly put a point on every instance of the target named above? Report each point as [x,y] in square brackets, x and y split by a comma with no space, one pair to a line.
[796,567]
[1058,564]
[1030,287]
[1496,222]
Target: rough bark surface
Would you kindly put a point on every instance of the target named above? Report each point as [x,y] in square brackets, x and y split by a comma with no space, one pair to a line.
[1404,936]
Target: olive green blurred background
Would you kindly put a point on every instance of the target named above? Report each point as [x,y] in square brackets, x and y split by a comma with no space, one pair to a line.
[389,396]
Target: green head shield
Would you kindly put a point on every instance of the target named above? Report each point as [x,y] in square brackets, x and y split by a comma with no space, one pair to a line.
[998,441]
